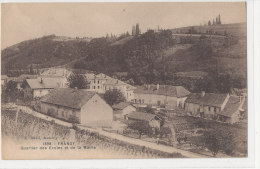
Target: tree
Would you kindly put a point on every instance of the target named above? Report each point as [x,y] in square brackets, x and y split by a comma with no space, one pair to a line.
[211,142]
[165,131]
[114,96]
[133,31]
[11,91]
[23,85]
[76,80]
[148,109]
[31,70]
[142,128]
[209,23]
[137,29]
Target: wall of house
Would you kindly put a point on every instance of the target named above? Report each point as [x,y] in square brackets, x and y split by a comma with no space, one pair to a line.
[209,111]
[60,80]
[40,92]
[96,112]
[60,111]
[129,95]
[152,99]
[28,92]
[127,110]
[96,85]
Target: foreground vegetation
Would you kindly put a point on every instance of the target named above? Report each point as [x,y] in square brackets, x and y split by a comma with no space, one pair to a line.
[27,126]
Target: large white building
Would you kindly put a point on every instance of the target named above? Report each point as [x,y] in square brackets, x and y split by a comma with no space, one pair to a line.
[101,83]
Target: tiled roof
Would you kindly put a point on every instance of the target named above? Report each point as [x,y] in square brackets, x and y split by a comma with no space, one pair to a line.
[73,98]
[121,105]
[46,84]
[167,90]
[116,82]
[232,106]
[211,99]
[142,116]
[90,76]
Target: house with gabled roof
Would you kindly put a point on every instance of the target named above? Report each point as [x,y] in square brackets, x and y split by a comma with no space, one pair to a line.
[122,109]
[77,106]
[171,97]
[36,88]
[152,119]
[59,75]
[233,110]
[205,104]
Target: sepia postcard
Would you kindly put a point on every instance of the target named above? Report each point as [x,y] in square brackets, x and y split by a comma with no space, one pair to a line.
[135,80]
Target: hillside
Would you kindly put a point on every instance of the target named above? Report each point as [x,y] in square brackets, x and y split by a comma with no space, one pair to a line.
[43,52]
[152,57]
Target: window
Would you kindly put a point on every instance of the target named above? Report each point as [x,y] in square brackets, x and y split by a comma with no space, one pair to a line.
[135,100]
[98,81]
[62,114]
[158,103]
[98,87]
[209,108]
[94,87]
[143,100]
[215,109]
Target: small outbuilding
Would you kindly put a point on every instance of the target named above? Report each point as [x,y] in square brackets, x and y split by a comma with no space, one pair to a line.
[153,120]
[122,109]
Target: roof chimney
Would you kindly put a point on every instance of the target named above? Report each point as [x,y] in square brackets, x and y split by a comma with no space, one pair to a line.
[158,86]
[202,93]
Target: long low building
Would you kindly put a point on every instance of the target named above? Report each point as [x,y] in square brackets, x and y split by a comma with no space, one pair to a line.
[171,97]
[77,106]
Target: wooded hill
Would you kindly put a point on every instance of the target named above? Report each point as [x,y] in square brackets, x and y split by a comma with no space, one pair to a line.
[152,57]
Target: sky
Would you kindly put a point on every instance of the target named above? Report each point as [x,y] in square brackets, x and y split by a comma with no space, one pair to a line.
[23,21]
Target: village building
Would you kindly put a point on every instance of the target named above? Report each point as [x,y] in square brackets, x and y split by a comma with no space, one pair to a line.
[205,104]
[101,83]
[59,75]
[153,120]
[78,106]
[96,82]
[36,88]
[122,109]
[20,79]
[171,97]
[233,111]
[126,89]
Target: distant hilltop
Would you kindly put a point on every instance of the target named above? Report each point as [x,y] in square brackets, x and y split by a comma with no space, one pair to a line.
[234,29]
